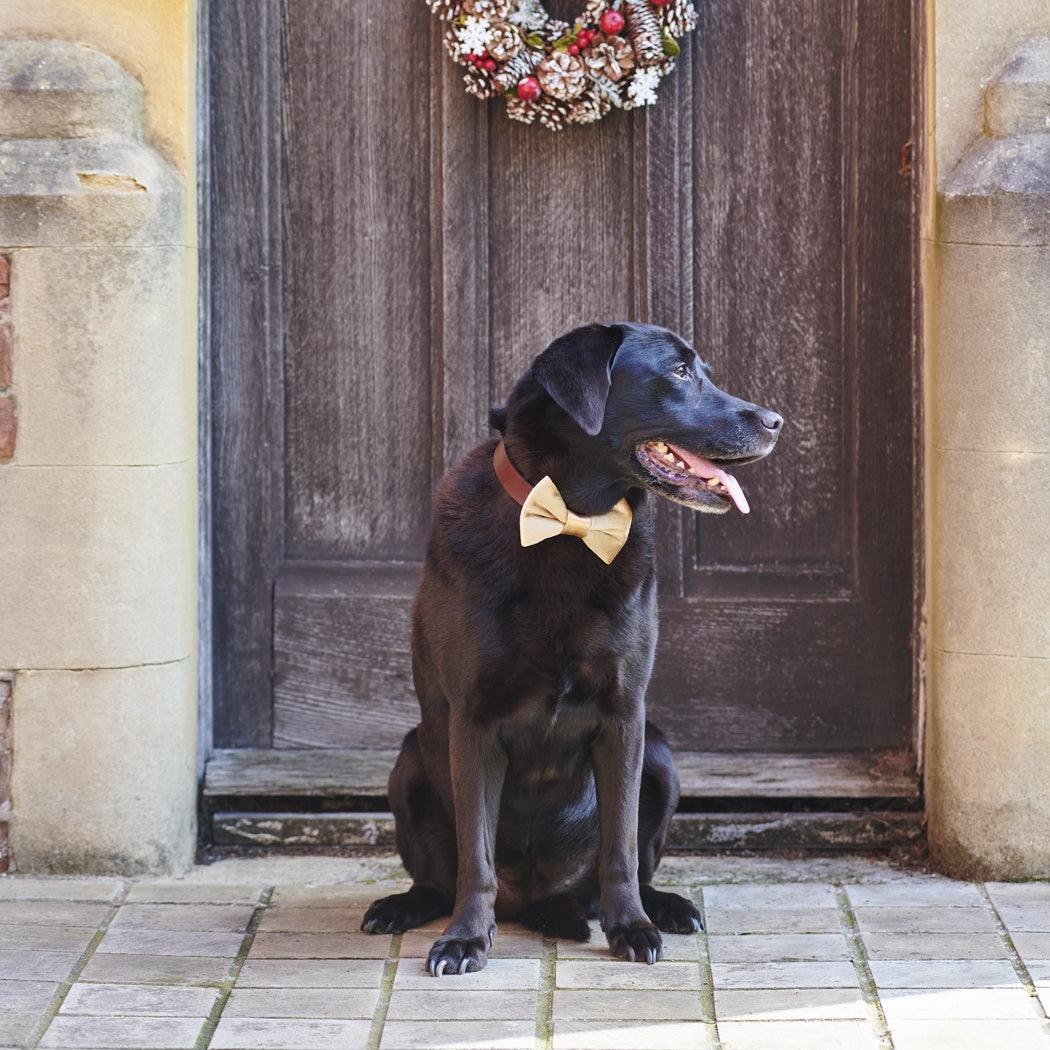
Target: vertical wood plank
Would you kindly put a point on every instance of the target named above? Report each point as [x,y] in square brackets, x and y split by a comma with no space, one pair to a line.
[357,280]
[246,334]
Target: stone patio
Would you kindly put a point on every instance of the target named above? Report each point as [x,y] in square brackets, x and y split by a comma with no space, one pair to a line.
[257,953]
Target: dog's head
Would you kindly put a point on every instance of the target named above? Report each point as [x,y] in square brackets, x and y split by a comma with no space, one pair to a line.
[644,393]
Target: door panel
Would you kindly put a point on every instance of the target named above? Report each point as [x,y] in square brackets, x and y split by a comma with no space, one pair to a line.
[410,249]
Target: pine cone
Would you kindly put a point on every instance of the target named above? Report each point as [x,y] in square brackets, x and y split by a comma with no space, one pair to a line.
[479,84]
[490,10]
[609,56]
[643,29]
[446,10]
[678,17]
[519,109]
[562,75]
[506,42]
[522,65]
[554,114]
[592,13]
[593,106]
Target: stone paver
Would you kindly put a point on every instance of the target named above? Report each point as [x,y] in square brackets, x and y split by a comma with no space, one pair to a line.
[249,963]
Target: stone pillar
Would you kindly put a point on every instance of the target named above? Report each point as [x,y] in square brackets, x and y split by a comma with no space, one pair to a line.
[98,491]
[988,490]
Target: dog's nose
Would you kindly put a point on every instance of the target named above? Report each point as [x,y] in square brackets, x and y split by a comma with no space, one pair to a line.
[772,421]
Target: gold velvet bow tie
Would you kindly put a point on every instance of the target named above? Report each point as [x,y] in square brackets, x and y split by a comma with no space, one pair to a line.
[544,514]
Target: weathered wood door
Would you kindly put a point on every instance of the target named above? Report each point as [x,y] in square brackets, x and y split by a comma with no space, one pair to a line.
[387,254]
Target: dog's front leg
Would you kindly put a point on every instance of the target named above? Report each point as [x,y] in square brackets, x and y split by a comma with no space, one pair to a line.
[617,757]
[478,765]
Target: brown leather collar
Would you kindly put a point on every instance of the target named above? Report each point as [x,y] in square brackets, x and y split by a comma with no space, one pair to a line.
[517,487]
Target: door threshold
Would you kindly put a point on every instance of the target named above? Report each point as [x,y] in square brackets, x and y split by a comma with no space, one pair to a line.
[315,799]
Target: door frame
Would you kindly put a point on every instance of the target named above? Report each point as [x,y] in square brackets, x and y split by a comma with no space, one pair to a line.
[241,311]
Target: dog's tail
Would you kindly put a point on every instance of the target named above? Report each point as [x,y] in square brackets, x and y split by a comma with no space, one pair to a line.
[559,916]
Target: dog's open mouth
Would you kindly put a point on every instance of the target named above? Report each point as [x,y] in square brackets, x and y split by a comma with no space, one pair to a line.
[686,470]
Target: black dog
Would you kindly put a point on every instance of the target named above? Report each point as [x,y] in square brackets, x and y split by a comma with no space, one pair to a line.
[533,787]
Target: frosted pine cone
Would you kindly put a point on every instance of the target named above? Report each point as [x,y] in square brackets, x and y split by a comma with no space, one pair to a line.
[562,75]
[643,30]
[522,65]
[491,10]
[609,56]
[505,42]
[678,17]
[554,114]
[519,109]
[446,10]
[592,107]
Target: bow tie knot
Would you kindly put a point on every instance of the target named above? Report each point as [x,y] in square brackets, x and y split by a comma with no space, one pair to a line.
[544,514]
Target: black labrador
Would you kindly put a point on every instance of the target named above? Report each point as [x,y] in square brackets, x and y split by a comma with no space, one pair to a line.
[533,788]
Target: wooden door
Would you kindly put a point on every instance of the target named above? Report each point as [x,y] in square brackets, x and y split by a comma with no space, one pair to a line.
[388,253]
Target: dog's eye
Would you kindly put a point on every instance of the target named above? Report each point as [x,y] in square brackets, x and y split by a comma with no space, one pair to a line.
[682,371]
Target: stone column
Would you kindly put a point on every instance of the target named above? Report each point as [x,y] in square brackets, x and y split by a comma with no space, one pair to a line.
[988,489]
[98,486]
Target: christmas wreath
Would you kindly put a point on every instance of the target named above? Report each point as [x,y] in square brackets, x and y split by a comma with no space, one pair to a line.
[612,56]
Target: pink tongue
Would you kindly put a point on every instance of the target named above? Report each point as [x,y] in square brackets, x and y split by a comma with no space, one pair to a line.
[706,469]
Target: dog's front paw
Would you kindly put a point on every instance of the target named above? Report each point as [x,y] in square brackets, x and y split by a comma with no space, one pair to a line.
[455,955]
[405,911]
[671,912]
[638,941]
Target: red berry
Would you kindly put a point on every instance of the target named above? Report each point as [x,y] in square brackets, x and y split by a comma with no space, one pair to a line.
[659,3]
[584,37]
[574,49]
[611,23]
[529,89]
[489,64]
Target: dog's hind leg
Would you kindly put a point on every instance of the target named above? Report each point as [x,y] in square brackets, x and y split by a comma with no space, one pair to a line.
[670,912]
[426,842]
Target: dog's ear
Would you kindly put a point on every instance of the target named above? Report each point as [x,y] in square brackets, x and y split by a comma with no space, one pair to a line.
[498,418]
[576,370]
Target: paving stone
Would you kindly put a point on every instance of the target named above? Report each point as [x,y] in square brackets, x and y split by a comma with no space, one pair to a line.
[169,942]
[302,1002]
[901,1004]
[194,893]
[681,947]
[916,892]
[198,918]
[926,920]
[319,946]
[348,897]
[260,1033]
[116,1033]
[934,946]
[1031,918]
[970,1035]
[802,947]
[797,1035]
[449,1035]
[45,938]
[463,1004]
[1032,945]
[121,1000]
[1039,970]
[623,1035]
[790,896]
[773,920]
[18,887]
[18,965]
[85,914]
[311,973]
[784,975]
[498,974]
[303,919]
[1020,894]
[27,995]
[641,1005]
[790,1004]
[156,969]
[668,976]
[943,973]
[18,1025]
[511,942]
